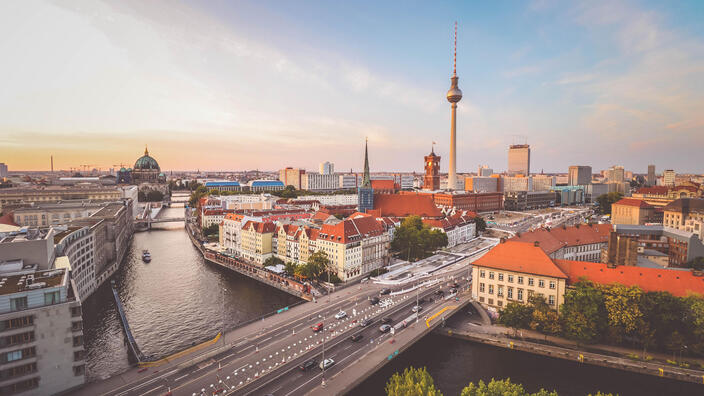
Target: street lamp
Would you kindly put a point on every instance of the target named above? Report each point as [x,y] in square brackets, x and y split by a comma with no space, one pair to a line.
[323,356]
[222,295]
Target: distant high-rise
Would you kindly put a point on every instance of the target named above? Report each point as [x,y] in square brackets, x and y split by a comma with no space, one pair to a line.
[484,170]
[327,168]
[579,175]
[365,193]
[668,177]
[651,175]
[3,170]
[519,159]
[616,174]
[431,180]
[292,177]
[454,95]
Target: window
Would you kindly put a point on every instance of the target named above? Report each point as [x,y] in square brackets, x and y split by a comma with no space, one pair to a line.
[491,301]
[500,303]
[51,298]
[509,293]
[520,294]
[482,274]
[520,280]
[500,291]
[18,304]
[510,278]
[501,277]
[481,288]
[530,282]
[14,355]
[552,285]
[541,283]
[491,289]
[481,299]
[491,275]
[551,300]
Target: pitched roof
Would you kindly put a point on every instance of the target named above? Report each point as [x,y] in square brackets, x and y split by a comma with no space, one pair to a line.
[520,257]
[633,202]
[8,219]
[260,228]
[654,190]
[686,205]
[555,238]
[383,184]
[677,282]
[351,230]
[321,216]
[403,205]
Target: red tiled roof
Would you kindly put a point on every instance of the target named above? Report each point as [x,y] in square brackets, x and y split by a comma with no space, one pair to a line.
[558,237]
[677,282]
[383,184]
[260,228]
[403,205]
[654,190]
[8,219]
[351,230]
[321,216]
[633,202]
[520,257]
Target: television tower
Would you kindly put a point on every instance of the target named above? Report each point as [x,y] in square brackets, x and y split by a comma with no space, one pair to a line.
[454,95]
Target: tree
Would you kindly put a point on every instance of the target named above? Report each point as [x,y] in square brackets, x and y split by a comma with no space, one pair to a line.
[606,200]
[212,229]
[290,268]
[501,388]
[664,314]
[412,382]
[415,240]
[622,305]
[481,223]
[155,196]
[584,318]
[318,265]
[516,316]
[272,260]
[544,319]
[695,306]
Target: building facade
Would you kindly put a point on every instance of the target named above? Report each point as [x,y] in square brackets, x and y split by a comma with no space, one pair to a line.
[632,211]
[519,159]
[327,168]
[579,175]
[669,177]
[292,177]
[320,182]
[685,214]
[431,179]
[651,180]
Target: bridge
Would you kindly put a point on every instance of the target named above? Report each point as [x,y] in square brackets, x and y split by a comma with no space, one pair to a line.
[264,356]
[132,347]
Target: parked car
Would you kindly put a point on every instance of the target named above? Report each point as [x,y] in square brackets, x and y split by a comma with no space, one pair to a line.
[455,285]
[453,291]
[365,322]
[374,300]
[340,315]
[439,292]
[308,364]
[384,328]
[356,337]
[386,319]
[385,291]
[327,363]
[318,327]
[416,308]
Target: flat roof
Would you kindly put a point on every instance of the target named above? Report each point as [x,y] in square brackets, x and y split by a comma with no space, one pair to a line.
[18,283]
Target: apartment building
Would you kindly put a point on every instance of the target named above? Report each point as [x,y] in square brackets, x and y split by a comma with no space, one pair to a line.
[53,214]
[23,195]
[685,214]
[256,241]
[582,242]
[632,211]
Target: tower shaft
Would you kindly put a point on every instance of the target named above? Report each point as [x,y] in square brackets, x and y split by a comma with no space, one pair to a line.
[452,171]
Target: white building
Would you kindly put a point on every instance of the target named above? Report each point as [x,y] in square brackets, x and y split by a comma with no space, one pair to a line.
[484,171]
[668,177]
[320,182]
[41,330]
[327,168]
[459,228]
[333,199]
[348,181]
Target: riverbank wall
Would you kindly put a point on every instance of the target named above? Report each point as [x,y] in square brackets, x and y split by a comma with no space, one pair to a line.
[636,366]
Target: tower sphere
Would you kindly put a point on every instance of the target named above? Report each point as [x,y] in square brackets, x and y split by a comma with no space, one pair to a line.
[454,95]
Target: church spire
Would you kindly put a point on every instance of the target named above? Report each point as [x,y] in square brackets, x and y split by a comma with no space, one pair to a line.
[366,180]
[146,151]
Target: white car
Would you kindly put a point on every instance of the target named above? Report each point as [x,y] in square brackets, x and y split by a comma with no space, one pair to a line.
[416,308]
[327,363]
[340,315]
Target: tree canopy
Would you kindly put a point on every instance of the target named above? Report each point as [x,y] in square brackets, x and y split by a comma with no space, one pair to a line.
[501,388]
[414,240]
[412,382]
[605,201]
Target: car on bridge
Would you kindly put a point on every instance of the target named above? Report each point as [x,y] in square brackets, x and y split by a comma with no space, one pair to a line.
[318,327]
[416,308]
[374,300]
[308,364]
[385,291]
[365,322]
[356,337]
[386,319]
[327,363]
[439,292]
[384,328]
[340,315]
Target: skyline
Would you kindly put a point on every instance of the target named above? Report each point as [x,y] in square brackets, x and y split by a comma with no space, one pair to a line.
[250,84]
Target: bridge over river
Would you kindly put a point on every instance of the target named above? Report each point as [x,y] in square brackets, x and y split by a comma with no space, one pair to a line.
[264,356]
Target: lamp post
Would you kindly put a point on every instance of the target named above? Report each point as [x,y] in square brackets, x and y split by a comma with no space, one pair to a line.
[222,295]
[323,357]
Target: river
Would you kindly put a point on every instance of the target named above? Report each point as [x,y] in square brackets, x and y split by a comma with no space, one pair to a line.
[172,302]
[178,299]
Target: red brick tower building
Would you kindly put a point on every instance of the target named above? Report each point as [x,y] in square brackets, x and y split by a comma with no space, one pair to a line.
[431,180]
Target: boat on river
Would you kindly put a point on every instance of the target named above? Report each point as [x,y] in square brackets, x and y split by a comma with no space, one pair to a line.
[146,256]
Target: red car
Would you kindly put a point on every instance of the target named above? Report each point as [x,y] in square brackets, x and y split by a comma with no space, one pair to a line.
[318,327]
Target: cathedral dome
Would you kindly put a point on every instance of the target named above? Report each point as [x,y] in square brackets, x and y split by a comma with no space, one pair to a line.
[146,162]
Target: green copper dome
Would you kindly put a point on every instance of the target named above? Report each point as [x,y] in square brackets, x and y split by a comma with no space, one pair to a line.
[146,162]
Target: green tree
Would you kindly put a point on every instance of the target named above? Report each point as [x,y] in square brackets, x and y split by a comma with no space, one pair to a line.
[318,265]
[584,317]
[501,388]
[272,260]
[290,268]
[213,229]
[605,201]
[481,223]
[544,319]
[414,240]
[155,196]
[695,305]
[622,305]
[412,382]
[664,314]
[516,316]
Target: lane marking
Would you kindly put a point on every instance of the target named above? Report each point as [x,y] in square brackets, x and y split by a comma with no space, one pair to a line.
[181,377]
[150,391]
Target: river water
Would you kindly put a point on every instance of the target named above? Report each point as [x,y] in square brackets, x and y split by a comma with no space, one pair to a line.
[174,301]
[178,299]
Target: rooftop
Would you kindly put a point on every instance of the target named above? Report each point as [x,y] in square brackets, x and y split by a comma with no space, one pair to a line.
[520,257]
[553,239]
[686,205]
[634,202]
[38,280]
[403,205]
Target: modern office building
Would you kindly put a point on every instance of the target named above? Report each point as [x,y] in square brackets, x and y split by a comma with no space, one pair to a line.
[616,174]
[526,200]
[579,175]
[668,177]
[292,177]
[519,159]
[651,180]
[320,181]
[484,171]
[3,170]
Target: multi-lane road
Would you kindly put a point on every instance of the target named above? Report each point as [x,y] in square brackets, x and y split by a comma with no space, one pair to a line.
[267,362]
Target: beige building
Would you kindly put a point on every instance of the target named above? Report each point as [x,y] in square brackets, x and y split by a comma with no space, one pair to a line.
[256,241]
[41,331]
[685,214]
[669,177]
[52,214]
[632,212]
[519,159]
[292,177]
[514,271]
[579,175]
[18,196]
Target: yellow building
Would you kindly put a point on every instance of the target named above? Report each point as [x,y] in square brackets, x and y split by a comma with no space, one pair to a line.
[632,212]
[685,214]
[514,271]
[256,240]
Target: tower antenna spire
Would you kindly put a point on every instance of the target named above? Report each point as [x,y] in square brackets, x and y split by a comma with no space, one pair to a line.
[454,57]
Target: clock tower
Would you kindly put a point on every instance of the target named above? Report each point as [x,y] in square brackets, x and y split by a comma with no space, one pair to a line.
[431,180]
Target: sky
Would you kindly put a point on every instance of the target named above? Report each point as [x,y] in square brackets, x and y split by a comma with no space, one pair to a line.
[234,85]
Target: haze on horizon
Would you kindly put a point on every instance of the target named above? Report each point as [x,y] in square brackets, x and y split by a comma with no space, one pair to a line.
[268,84]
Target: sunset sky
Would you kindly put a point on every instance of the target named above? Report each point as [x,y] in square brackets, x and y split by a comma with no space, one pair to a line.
[265,84]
